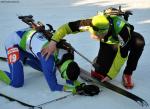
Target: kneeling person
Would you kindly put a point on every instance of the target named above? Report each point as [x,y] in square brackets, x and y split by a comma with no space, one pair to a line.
[24,46]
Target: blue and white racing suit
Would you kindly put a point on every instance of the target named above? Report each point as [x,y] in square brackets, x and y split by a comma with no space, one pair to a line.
[25,45]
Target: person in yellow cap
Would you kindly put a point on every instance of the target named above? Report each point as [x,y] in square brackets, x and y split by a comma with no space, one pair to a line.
[118,43]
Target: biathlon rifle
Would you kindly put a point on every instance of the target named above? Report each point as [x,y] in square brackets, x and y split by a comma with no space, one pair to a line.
[40,27]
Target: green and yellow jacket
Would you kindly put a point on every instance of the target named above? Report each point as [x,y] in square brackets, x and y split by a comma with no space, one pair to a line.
[119,33]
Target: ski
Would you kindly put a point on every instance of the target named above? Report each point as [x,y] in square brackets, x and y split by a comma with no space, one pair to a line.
[3,58]
[85,75]
[36,106]
[22,103]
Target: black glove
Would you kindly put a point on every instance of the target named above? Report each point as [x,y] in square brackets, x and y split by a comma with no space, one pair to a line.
[87,90]
[63,44]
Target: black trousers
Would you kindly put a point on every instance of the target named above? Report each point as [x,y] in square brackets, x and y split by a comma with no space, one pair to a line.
[133,49]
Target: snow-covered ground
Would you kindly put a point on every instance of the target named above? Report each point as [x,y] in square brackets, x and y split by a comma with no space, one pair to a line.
[57,12]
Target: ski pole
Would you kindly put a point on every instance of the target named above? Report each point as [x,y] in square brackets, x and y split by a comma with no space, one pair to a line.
[55,100]
[82,56]
[93,64]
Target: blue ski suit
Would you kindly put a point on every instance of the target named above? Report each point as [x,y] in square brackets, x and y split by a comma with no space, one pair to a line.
[24,46]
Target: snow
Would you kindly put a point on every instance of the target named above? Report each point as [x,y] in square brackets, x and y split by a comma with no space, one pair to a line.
[57,12]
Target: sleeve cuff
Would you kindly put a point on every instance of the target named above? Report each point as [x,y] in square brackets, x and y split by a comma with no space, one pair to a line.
[54,40]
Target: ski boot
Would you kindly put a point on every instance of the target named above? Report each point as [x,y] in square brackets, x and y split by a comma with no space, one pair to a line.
[127,81]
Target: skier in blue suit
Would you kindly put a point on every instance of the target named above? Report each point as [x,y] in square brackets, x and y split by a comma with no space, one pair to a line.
[24,46]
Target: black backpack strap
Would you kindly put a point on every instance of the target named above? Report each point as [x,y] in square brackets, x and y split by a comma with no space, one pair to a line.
[112,29]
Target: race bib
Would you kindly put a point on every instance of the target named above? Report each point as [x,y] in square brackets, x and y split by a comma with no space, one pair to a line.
[13,55]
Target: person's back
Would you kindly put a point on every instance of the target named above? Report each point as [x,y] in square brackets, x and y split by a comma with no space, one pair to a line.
[15,37]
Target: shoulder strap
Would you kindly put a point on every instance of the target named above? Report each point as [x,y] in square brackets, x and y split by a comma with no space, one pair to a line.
[112,29]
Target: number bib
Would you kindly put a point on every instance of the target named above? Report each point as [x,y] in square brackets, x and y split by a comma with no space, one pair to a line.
[13,55]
